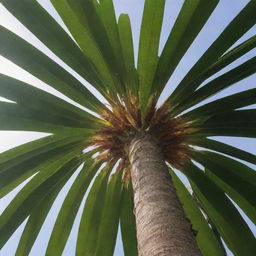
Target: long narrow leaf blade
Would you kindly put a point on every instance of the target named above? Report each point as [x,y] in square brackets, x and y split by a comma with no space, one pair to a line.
[26,151]
[93,16]
[27,198]
[73,15]
[69,209]
[235,178]
[38,214]
[206,240]
[35,62]
[222,212]
[127,222]
[18,168]
[33,97]
[236,123]
[220,83]
[126,41]
[232,102]
[149,43]
[226,59]
[224,148]
[45,28]
[88,233]
[20,118]
[107,14]
[111,213]
[189,23]
[235,30]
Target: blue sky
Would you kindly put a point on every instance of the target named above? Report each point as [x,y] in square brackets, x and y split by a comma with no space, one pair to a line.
[219,19]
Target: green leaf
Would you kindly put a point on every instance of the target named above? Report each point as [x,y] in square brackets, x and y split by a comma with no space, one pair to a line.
[29,195]
[148,47]
[21,118]
[69,209]
[88,233]
[94,15]
[126,40]
[16,165]
[46,29]
[228,221]
[128,224]
[234,195]
[26,151]
[236,123]
[41,66]
[30,96]
[226,59]
[39,213]
[223,148]
[107,14]
[109,223]
[34,224]
[235,178]
[73,15]
[234,31]
[206,240]
[218,84]
[192,17]
[232,102]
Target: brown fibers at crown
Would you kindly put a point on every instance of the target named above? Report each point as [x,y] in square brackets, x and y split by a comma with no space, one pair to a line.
[125,120]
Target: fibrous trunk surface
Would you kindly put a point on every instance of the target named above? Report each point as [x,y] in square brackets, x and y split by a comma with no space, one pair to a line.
[162,228]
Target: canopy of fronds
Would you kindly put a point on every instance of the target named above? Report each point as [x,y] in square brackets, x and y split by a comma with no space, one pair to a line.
[91,146]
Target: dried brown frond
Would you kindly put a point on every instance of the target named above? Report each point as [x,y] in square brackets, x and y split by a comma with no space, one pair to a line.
[124,121]
[103,156]
[150,112]
[121,165]
[127,175]
[133,110]
[161,114]
[170,133]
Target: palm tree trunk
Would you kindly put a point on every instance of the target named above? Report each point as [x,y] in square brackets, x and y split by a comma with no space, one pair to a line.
[162,228]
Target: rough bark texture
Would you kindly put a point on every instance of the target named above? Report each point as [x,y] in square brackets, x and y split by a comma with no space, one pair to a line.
[162,228]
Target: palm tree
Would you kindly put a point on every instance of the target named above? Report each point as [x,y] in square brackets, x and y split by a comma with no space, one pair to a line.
[128,152]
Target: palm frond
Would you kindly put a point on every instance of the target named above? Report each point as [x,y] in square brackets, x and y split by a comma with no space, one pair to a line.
[99,46]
